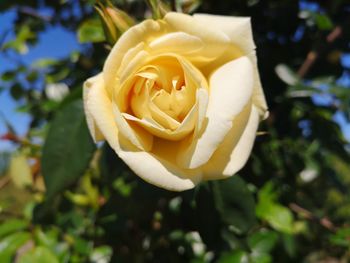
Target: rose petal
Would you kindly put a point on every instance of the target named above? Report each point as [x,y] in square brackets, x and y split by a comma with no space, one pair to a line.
[181,43]
[99,108]
[160,172]
[235,149]
[258,93]
[239,30]
[138,137]
[94,130]
[186,126]
[215,42]
[231,88]
[148,29]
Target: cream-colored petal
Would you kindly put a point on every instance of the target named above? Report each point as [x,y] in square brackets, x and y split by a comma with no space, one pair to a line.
[154,170]
[258,93]
[138,137]
[99,108]
[231,88]
[148,29]
[186,126]
[214,41]
[181,43]
[238,29]
[88,85]
[234,151]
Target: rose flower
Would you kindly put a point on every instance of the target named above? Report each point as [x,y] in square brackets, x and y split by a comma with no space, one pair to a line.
[179,99]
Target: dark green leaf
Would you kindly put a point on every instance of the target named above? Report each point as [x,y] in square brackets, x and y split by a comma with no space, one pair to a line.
[238,256]
[206,214]
[8,75]
[16,91]
[235,203]
[68,149]
[263,241]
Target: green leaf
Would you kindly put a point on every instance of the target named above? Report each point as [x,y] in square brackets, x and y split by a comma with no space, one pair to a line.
[16,91]
[19,44]
[263,241]
[290,244]
[341,237]
[101,254]
[8,75]
[278,216]
[10,244]
[323,22]
[91,31]
[68,149]
[12,225]
[47,239]
[237,256]
[38,255]
[206,214]
[44,63]
[20,171]
[235,203]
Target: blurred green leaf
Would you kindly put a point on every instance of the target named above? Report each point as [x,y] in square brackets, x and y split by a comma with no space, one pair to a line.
[91,31]
[16,91]
[10,244]
[101,254]
[44,63]
[263,241]
[19,44]
[278,216]
[64,162]
[38,255]
[323,22]
[238,256]
[12,225]
[235,203]
[206,214]
[20,171]
[47,238]
[8,75]
[341,237]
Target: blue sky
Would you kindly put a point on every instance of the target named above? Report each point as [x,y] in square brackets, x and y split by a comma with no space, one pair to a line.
[56,42]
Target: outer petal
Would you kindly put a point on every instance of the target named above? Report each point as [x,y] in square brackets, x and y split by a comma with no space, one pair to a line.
[231,88]
[159,172]
[239,30]
[100,116]
[235,149]
[258,93]
[88,85]
[137,136]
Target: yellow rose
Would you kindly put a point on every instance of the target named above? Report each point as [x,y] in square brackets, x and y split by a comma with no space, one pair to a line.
[179,99]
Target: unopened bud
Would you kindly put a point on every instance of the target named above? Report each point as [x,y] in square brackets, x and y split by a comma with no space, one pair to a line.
[158,8]
[115,22]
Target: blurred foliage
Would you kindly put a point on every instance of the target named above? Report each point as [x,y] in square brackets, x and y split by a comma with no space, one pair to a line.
[64,200]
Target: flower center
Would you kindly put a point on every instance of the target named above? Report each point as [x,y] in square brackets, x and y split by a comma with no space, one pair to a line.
[160,93]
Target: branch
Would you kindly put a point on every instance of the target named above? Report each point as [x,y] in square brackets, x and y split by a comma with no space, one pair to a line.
[314,54]
[324,221]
